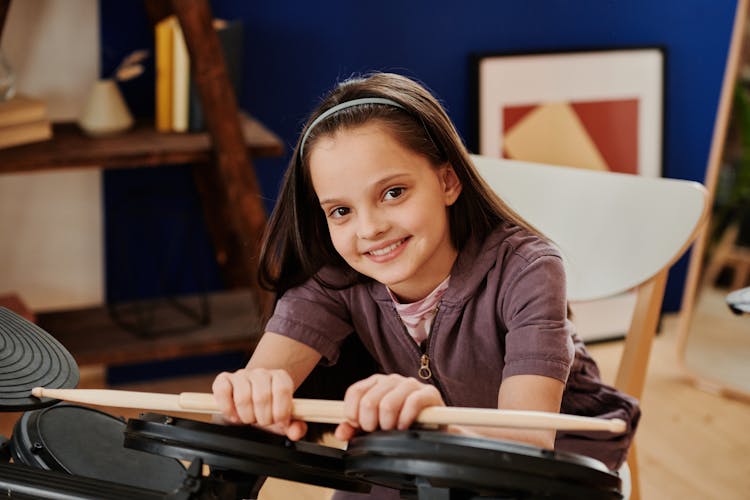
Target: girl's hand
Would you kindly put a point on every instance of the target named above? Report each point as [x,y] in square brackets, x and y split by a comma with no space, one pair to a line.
[385,402]
[261,397]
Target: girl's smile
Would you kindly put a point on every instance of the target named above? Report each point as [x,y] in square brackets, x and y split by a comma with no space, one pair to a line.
[386,208]
[384,253]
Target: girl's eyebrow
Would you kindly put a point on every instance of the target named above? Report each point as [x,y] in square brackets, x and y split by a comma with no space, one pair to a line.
[375,185]
[329,201]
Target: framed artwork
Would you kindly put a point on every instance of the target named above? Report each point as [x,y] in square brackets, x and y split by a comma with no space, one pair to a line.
[597,109]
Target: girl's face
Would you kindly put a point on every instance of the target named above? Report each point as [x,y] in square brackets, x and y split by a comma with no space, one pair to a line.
[386,207]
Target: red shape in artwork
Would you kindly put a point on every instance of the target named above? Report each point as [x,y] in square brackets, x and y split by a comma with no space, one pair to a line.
[613,126]
[514,114]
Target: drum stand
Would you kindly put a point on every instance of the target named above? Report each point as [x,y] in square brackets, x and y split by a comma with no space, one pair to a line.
[218,484]
[425,491]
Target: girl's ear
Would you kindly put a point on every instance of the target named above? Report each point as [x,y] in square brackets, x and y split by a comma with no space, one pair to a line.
[450,183]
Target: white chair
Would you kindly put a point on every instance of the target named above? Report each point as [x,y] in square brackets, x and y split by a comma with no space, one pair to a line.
[617,232]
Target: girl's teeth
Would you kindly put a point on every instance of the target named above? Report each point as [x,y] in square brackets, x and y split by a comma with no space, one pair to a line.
[386,250]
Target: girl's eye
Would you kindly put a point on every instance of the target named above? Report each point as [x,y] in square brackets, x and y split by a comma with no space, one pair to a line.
[393,193]
[338,212]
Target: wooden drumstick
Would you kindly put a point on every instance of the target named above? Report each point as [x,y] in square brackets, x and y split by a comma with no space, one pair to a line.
[332,412]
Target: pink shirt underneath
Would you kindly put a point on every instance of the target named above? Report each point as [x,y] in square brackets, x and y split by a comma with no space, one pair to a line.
[417,317]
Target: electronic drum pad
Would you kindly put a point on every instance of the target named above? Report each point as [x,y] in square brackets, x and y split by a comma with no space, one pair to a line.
[31,357]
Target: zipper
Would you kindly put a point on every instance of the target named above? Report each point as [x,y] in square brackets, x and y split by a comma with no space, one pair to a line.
[424,372]
[424,367]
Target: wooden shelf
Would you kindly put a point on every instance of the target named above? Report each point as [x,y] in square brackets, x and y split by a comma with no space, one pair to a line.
[139,147]
[230,193]
[233,204]
[93,338]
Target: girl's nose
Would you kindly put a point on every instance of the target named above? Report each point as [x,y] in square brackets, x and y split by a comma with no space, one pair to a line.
[370,225]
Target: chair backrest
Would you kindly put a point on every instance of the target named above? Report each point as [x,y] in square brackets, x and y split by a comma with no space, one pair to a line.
[616,232]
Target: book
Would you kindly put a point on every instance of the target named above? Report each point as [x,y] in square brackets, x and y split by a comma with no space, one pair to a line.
[163,48]
[24,133]
[180,80]
[231,39]
[22,109]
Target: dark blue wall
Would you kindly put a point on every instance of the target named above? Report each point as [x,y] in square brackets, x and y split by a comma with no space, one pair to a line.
[295,51]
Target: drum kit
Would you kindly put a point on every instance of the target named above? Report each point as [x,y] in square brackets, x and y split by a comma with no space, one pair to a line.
[64,450]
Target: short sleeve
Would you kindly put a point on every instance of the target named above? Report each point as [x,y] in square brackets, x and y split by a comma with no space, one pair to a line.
[315,316]
[534,309]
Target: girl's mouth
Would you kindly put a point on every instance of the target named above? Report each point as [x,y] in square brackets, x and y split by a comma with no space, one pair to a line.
[381,252]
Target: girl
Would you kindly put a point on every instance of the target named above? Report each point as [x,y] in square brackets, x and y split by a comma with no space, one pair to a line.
[385,232]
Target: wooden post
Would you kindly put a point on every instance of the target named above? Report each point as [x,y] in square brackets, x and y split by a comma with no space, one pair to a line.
[235,195]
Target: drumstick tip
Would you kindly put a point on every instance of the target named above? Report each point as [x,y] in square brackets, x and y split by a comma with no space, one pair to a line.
[618,425]
[37,392]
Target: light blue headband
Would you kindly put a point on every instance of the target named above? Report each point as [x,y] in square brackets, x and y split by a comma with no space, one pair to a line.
[342,106]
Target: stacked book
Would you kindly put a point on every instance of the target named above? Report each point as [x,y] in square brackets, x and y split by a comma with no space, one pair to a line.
[178,106]
[23,120]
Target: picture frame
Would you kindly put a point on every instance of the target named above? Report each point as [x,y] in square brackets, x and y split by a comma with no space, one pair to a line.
[601,109]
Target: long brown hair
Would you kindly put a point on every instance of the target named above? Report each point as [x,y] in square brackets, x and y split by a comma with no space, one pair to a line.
[297,244]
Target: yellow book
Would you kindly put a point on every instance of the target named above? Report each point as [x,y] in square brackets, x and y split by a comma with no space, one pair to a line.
[180,80]
[22,109]
[163,34]
[24,133]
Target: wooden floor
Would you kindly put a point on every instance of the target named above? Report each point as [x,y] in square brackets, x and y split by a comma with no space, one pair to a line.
[691,444]
[714,332]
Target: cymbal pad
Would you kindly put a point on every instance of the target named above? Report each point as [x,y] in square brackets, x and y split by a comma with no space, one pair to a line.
[31,357]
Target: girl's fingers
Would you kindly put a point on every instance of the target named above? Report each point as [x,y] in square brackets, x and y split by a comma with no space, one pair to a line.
[344,431]
[264,398]
[392,404]
[370,405]
[259,396]
[353,396]
[260,381]
[296,430]
[415,402]
[282,389]
[379,402]
[222,390]
[370,392]
[242,391]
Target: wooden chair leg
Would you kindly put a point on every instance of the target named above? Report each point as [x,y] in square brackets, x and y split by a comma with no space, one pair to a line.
[631,374]
[635,487]
[741,272]
[720,254]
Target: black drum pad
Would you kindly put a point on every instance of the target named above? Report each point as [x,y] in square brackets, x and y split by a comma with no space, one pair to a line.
[476,467]
[31,357]
[242,449]
[89,443]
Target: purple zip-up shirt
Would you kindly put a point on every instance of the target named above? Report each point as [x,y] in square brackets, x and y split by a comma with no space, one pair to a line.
[503,314]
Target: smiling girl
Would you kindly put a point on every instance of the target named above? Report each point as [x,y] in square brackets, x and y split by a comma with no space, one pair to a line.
[385,231]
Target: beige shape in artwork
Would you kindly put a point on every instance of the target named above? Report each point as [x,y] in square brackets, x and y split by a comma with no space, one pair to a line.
[553,134]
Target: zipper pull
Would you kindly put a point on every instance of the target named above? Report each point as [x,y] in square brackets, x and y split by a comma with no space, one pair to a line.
[424,367]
